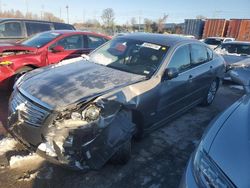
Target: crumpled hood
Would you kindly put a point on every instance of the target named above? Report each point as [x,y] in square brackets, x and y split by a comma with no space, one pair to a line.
[15,46]
[231,147]
[66,83]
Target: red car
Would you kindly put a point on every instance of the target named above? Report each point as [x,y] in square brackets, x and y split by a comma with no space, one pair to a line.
[44,49]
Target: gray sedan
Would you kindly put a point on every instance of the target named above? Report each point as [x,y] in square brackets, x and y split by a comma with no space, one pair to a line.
[84,112]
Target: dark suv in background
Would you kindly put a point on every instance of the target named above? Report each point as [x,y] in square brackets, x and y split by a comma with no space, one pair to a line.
[12,29]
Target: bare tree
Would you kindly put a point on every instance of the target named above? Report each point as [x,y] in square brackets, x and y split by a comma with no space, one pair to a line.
[200,17]
[148,25]
[29,15]
[51,17]
[108,17]
[161,23]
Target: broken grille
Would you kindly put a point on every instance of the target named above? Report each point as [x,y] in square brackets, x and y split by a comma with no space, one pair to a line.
[27,110]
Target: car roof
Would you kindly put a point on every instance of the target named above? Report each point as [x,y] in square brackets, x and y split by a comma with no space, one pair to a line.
[69,32]
[237,42]
[23,19]
[161,39]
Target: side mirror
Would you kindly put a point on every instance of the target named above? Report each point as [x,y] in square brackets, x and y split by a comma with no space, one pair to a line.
[58,49]
[171,73]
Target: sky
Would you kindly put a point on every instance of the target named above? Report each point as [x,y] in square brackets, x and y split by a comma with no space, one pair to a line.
[177,10]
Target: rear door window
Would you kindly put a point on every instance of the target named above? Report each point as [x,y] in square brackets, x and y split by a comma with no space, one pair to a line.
[199,54]
[10,29]
[181,59]
[94,41]
[34,27]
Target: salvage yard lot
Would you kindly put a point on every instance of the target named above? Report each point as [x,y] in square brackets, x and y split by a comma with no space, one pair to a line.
[158,160]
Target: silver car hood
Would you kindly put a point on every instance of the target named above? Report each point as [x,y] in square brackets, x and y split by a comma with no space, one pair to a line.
[231,147]
[63,84]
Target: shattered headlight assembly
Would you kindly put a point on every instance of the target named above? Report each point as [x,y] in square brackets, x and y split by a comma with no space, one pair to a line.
[90,113]
[207,173]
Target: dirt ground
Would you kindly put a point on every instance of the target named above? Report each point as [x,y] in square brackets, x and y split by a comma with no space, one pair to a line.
[158,160]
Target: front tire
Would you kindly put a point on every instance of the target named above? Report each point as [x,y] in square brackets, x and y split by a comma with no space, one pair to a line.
[209,98]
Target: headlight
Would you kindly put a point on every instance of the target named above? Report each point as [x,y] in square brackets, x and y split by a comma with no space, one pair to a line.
[91,113]
[76,116]
[5,63]
[207,173]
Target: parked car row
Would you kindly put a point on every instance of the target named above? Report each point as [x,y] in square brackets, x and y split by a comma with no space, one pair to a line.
[213,42]
[232,51]
[83,112]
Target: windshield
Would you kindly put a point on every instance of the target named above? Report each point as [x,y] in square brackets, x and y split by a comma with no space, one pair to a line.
[212,41]
[40,40]
[129,55]
[239,49]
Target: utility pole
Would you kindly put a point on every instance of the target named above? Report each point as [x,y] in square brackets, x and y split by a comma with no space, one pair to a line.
[67,7]
[139,23]
[27,6]
[139,20]
[42,12]
[60,12]
[83,16]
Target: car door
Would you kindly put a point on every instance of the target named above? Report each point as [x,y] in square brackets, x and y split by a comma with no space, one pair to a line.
[73,46]
[174,95]
[203,70]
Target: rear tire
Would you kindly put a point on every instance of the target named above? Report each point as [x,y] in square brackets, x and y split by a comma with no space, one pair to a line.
[123,154]
[209,98]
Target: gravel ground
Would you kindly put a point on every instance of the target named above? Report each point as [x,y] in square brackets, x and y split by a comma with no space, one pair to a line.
[158,160]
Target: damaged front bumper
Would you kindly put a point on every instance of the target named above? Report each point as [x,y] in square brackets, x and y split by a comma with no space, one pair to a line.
[76,144]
